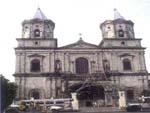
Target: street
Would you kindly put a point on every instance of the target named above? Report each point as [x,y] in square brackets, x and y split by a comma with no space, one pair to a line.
[90,110]
[86,112]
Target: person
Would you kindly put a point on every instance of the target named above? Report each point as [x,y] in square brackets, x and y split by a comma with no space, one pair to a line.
[94,104]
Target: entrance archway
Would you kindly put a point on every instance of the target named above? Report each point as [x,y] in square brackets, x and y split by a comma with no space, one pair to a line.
[34,94]
[91,93]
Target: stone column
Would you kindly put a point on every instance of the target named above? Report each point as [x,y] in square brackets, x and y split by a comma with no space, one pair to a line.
[53,86]
[64,64]
[52,61]
[99,61]
[143,62]
[49,62]
[19,63]
[50,86]
[24,64]
[17,80]
[72,67]
[24,87]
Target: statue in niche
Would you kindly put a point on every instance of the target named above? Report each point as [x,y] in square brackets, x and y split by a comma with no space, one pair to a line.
[106,65]
[57,66]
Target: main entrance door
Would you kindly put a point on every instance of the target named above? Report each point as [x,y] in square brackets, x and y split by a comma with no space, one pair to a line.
[34,94]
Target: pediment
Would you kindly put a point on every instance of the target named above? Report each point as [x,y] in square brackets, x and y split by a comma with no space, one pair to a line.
[80,45]
[36,55]
[126,54]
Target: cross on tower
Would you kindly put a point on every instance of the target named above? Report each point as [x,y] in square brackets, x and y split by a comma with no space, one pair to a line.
[80,36]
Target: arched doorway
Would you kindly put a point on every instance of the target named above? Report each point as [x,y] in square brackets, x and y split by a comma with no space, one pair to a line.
[34,94]
[89,95]
[81,65]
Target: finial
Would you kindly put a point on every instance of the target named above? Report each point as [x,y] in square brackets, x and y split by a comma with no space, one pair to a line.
[117,15]
[38,8]
[39,14]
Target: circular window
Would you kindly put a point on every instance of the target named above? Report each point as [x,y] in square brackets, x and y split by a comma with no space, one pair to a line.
[26,27]
[36,43]
[122,43]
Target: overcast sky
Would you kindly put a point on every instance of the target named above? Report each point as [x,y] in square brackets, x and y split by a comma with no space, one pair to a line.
[71,18]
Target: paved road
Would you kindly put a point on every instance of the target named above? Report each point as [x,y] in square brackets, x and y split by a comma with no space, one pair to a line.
[85,112]
[89,112]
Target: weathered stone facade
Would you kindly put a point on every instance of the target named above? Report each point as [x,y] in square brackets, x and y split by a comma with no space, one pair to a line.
[44,70]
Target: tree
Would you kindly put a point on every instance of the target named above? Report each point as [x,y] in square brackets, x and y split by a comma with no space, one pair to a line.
[146,92]
[7,92]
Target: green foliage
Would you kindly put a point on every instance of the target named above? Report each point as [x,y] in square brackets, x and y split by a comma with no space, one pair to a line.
[146,92]
[8,92]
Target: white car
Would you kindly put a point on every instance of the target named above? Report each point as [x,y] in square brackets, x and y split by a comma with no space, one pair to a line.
[56,108]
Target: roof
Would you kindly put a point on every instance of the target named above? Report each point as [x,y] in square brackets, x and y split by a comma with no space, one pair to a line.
[118,18]
[79,44]
[117,15]
[39,15]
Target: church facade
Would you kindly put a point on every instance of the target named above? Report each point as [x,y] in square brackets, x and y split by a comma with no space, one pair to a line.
[95,72]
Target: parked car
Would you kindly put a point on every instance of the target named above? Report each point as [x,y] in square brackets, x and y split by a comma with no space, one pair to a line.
[55,108]
[131,107]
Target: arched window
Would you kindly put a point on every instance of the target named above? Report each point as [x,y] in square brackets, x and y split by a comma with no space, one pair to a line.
[81,65]
[36,33]
[120,33]
[35,65]
[126,64]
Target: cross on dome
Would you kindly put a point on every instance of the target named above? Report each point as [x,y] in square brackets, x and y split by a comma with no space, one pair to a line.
[80,36]
[39,15]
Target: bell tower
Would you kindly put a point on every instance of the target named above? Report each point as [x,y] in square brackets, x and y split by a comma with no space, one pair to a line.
[34,56]
[38,32]
[38,27]
[117,28]
[119,32]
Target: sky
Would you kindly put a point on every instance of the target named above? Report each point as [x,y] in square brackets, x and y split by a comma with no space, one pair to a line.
[71,18]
